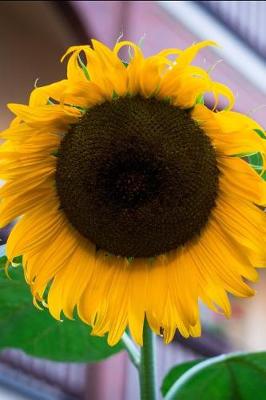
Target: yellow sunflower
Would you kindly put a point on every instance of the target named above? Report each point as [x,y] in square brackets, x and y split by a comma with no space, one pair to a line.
[132,199]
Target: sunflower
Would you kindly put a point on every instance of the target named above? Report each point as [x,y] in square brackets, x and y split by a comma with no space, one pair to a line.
[132,199]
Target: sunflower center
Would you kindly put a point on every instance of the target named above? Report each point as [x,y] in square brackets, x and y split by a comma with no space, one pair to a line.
[130,181]
[138,177]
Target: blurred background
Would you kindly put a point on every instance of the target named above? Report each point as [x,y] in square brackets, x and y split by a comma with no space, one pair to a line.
[33,37]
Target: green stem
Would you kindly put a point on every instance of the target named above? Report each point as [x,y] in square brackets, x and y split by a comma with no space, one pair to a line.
[147,369]
[131,349]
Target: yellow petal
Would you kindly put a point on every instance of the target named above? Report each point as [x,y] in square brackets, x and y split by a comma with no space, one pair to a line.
[21,203]
[187,56]
[41,95]
[239,178]
[50,115]
[114,68]
[134,66]
[139,285]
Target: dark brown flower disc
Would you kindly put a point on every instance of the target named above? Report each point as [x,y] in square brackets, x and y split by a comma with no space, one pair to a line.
[138,177]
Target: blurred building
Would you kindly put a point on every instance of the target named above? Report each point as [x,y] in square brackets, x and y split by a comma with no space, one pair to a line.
[33,37]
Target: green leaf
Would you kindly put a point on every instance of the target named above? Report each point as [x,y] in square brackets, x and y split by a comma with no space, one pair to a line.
[256,161]
[84,68]
[239,376]
[175,373]
[36,332]
[55,153]
[264,176]
[115,95]
[200,99]
[50,102]
[261,133]
[167,99]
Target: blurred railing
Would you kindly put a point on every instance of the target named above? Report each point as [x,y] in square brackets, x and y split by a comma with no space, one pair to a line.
[39,379]
[246,19]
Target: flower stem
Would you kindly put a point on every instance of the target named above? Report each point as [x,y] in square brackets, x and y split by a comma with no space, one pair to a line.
[147,369]
[131,349]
